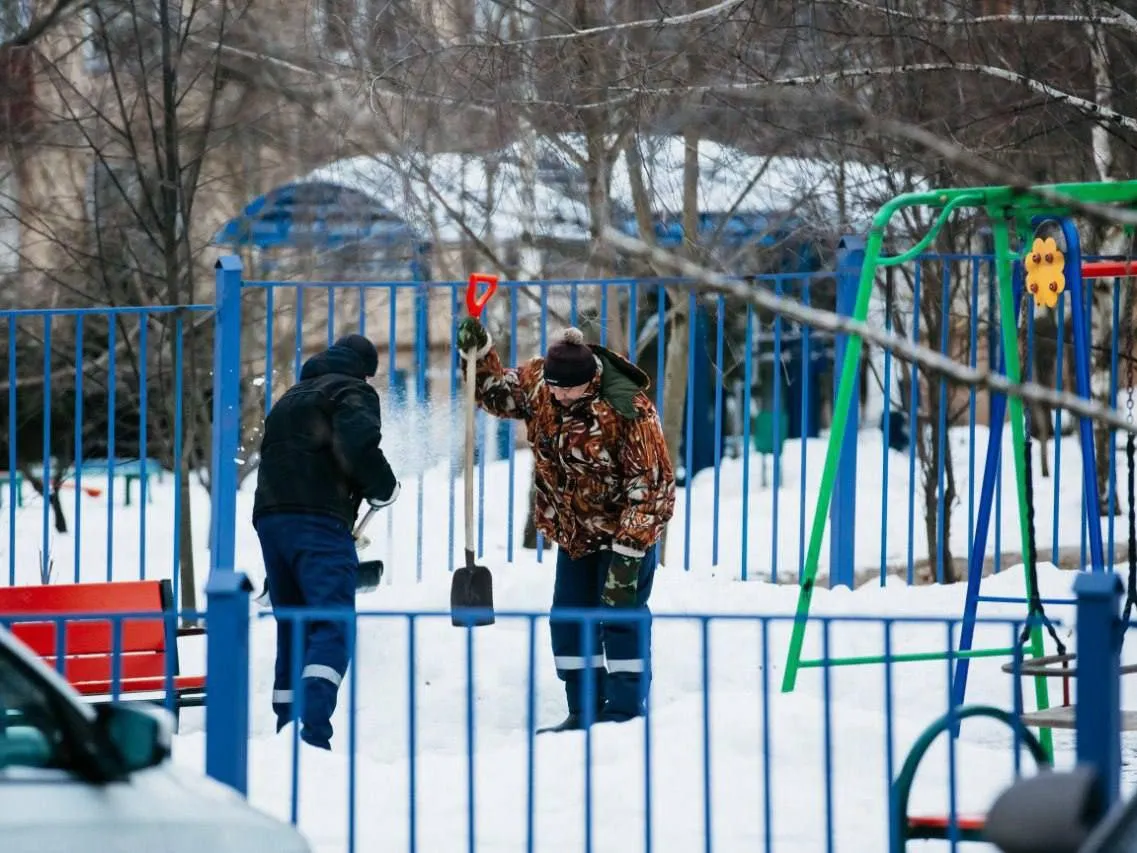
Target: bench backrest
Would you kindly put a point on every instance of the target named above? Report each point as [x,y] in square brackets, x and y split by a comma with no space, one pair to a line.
[89,643]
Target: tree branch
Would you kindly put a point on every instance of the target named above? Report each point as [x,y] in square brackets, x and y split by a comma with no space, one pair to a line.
[827,321]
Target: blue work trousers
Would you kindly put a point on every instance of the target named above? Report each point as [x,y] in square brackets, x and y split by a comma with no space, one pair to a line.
[310,561]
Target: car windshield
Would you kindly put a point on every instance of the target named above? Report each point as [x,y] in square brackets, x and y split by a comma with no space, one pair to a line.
[32,730]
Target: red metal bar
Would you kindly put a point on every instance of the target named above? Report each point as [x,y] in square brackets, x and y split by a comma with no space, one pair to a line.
[1108,269]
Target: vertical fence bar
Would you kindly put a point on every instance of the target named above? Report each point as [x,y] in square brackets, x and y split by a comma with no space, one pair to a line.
[226,415]
[298,339]
[12,466]
[179,409]
[886,439]
[889,715]
[78,449]
[270,298]
[353,732]
[953,723]
[720,339]
[689,426]
[422,359]
[843,509]
[471,753]
[660,344]
[1115,335]
[777,437]
[45,554]
[143,405]
[1085,512]
[412,734]
[452,433]
[530,736]
[509,425]
[1100,634]
[767,740]
[112,418]
[942,421]
[400,398]
[227,675]
[543,344]
[913,422]
[633,321]
[973,362]
[806,370]
[827,731]
[708,799]
[1060,354]
[993,345]
[603,314]
[747,383]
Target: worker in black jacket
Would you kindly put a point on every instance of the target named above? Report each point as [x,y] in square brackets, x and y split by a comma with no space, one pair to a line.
[319,459]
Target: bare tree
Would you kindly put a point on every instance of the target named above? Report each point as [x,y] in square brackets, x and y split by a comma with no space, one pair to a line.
[124,184]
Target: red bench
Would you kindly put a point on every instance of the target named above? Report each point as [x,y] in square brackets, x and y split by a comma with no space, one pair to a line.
[88,649]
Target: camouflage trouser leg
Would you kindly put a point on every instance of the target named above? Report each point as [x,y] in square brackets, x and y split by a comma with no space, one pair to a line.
[627,645]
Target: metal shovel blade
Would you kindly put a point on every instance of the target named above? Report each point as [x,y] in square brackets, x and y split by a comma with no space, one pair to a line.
[368,575]
[471,594]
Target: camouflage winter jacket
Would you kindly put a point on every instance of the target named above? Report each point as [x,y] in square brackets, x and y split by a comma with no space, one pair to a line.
[604,478]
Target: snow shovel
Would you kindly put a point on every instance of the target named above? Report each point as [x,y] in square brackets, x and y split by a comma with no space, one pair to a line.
[368,575]
[471,586]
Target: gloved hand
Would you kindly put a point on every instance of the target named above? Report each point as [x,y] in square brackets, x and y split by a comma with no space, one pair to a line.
[620,585]
[472,335]
[378,504]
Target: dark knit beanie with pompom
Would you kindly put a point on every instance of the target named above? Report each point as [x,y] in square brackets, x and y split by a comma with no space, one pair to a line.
[569,361]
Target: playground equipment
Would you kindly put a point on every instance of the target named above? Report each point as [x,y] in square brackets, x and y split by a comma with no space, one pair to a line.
[905,828]
[1050,274]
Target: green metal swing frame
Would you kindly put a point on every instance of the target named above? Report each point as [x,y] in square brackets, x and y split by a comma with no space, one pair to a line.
[1007,207]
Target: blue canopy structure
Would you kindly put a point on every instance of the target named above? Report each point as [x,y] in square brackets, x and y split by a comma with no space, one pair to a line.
[316,215]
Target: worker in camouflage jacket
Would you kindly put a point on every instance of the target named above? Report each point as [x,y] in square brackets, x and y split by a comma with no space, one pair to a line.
[605,490]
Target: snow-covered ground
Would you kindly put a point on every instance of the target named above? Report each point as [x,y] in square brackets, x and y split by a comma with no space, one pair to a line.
[768,752]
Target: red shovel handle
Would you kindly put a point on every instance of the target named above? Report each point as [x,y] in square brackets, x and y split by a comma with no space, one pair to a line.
[474,302]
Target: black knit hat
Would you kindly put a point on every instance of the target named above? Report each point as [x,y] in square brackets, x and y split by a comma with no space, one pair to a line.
[364,349]
[569,362]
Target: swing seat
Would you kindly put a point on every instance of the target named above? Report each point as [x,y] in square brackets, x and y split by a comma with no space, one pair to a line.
[935,828]
[1065,716]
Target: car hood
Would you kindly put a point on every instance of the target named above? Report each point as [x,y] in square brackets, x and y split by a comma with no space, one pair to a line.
[166,808]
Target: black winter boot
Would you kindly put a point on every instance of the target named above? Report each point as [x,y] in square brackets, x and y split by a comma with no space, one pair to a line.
[571,723]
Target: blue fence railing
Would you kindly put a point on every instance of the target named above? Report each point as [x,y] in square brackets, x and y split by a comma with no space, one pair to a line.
[751,431]
[757,392]
[434,745]
[96,417]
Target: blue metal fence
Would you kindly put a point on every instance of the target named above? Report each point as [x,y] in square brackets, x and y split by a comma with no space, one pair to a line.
[759,351]
[755,407]
[756,391]
[720,761]
[435,745]
[95,422]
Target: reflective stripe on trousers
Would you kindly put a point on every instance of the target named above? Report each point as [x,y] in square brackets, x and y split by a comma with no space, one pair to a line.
[319,670]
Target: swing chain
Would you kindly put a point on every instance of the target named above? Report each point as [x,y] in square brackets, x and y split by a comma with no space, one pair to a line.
[1035,606]
[1130,451]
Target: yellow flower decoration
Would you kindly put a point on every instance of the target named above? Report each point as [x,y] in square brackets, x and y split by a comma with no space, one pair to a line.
[1044,264]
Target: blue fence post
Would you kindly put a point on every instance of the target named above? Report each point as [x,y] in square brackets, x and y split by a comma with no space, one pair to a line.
[1098,723]
[226,415]
[843,509]
[227,679]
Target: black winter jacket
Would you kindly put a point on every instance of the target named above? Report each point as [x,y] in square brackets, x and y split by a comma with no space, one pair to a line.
[320,449]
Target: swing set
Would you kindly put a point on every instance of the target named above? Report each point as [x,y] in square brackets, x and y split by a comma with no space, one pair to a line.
[1050,265]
